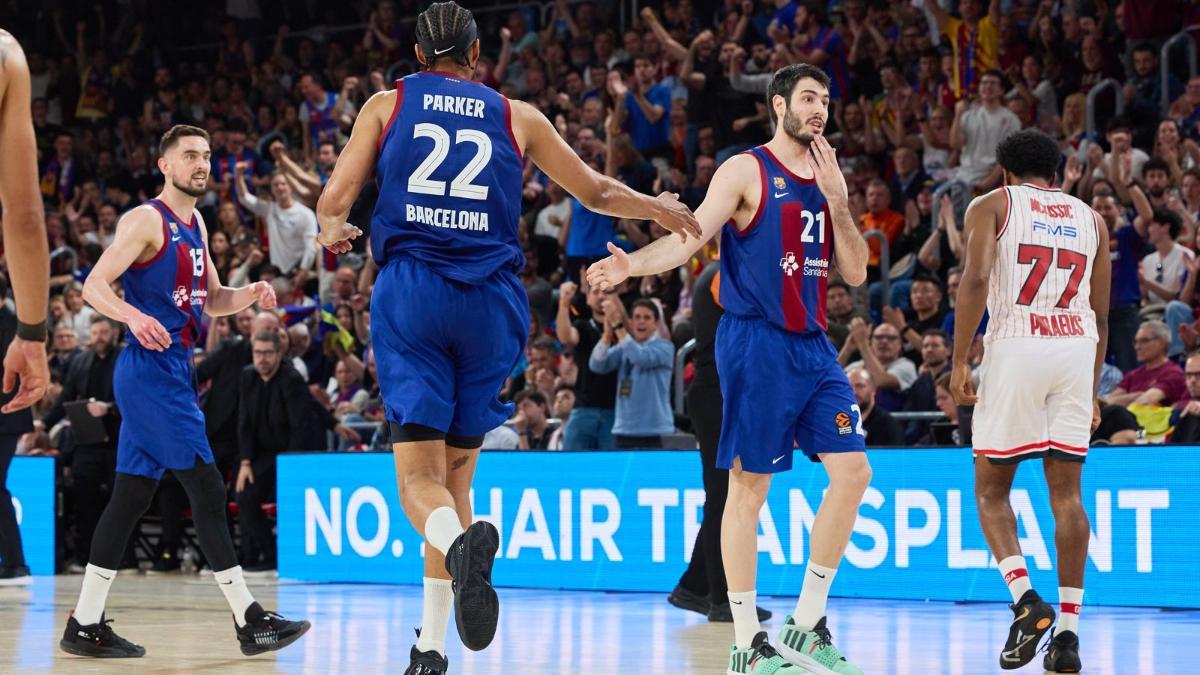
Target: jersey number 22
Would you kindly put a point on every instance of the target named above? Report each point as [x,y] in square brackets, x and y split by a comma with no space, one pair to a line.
[420,181]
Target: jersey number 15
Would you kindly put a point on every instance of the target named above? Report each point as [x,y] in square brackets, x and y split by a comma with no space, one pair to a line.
[420,181]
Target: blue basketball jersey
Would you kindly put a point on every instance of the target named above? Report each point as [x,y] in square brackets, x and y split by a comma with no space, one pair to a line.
[777,269]
[173,285]
[450,181]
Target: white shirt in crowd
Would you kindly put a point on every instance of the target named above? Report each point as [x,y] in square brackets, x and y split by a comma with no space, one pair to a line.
[984,130]
[1167,270]
[292,231]
[544,227]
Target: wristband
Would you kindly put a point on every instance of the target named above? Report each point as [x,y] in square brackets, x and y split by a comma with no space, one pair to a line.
[33,332]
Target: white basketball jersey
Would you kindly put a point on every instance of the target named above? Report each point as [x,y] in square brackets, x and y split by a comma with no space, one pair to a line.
[1041,281]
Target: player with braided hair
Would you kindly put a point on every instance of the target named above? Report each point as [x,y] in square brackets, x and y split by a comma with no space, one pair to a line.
[449,316]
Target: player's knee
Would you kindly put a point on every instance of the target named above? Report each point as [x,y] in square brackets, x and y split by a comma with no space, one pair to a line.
[854,476]
[1069,503]
[748,489]
[988,495]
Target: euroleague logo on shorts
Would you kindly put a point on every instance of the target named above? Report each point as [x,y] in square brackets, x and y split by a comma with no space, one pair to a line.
[842,420]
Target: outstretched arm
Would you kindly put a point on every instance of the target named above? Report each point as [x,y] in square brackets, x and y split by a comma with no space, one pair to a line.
[354,167]
[595,191]
[725,195]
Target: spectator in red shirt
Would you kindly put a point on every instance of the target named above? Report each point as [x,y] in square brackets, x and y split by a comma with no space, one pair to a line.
[1158,381]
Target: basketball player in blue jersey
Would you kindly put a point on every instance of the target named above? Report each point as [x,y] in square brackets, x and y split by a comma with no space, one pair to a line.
[162,261]
[449,316]
[785,226]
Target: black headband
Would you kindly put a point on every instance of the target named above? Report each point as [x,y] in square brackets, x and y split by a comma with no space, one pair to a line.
[458,44]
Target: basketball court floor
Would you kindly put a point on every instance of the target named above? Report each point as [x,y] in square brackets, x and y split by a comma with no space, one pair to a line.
[185,626]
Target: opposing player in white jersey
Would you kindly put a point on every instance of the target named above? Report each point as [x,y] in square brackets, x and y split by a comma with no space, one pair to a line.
[1039,260]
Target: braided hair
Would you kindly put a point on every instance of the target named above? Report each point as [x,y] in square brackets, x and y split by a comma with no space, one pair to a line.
[445,31]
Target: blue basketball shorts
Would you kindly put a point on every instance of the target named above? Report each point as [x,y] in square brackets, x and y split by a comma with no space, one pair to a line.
[161,423]
[444,348]
[782,391]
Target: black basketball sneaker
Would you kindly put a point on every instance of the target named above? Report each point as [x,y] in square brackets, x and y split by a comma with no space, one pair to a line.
[1032,617]
[426,663]
[476,606]
[97,640]
[1062,653]
[267,631]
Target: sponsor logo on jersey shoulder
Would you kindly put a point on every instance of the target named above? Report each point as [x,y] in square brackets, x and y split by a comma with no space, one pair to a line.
[842,420]
[1056,230]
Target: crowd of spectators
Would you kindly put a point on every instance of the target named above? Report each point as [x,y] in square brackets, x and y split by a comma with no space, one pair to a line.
[922,93]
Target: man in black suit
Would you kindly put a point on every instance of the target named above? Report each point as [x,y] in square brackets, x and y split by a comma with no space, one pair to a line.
[276,413]
[222,368]
[702,588]
[93,465]
[881,428]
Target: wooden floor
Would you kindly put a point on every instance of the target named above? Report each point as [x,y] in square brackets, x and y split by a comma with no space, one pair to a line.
[185,626]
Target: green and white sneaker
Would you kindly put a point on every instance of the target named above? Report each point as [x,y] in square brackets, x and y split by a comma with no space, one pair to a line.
[813,649]
[760,659]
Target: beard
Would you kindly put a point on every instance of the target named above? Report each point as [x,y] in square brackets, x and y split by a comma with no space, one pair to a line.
[793,127]
[188,190]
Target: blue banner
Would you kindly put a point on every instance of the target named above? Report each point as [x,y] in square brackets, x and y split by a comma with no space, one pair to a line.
[31,482]
[627,520]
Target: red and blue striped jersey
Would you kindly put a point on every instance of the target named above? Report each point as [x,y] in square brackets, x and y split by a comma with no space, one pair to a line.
[777,269]
[173,285]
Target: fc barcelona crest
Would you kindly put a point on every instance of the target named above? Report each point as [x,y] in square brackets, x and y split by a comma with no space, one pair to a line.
[780,183]
[174,228]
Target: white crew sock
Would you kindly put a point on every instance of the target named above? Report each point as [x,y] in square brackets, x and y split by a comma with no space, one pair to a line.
[745,618]
[442,527]
[96,582]
[435,617]
[814,593]
[1070,600]
[233,585]
[1016,576]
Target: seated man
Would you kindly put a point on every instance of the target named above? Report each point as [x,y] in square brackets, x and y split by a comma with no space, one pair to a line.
[1118,426]
[882,429]
[1158,381]
[922,395]
[1186,416]
[879,349]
